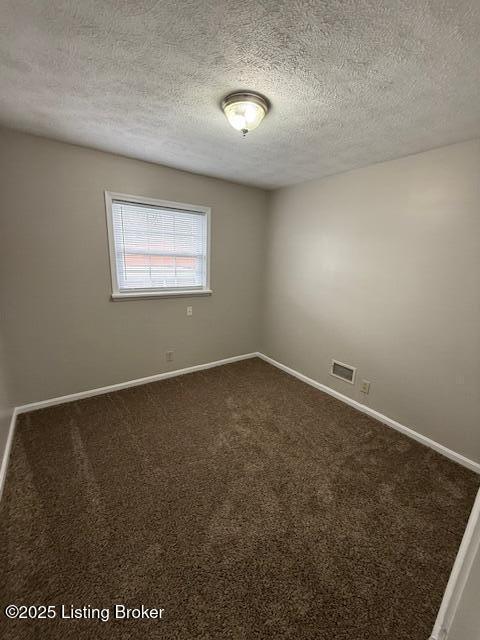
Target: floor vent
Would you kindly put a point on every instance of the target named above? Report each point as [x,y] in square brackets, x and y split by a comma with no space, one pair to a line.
[343,371]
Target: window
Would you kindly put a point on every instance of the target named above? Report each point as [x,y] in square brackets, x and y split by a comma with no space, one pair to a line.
[157,248]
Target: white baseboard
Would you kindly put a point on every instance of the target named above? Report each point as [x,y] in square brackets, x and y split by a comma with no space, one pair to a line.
[458,577]
[449,453]
[33,406]
[7,450]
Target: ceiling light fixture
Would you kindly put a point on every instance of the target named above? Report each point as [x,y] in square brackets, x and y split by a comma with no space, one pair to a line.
[245,110]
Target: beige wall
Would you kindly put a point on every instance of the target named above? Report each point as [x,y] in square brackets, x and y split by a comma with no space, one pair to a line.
[380,268]
[62,332]
[466,623]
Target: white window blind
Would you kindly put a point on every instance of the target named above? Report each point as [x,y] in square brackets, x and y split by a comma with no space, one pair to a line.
[159,247]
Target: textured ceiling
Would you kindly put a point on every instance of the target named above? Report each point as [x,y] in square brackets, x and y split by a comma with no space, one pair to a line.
[351,82]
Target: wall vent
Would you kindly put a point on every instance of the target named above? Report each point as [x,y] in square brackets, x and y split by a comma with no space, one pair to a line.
[343,371]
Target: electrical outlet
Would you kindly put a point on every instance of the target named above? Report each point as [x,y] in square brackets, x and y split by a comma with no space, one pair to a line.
[169,356]
[189,311]
[365,387]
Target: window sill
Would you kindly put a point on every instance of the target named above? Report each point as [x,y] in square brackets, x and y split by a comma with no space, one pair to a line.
[137,295]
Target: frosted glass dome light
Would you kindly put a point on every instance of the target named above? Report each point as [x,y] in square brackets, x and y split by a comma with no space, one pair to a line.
[245,110]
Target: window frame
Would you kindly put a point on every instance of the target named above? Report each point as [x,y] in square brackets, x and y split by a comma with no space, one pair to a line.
[132,294]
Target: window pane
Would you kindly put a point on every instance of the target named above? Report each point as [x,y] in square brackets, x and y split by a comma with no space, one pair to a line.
[159,248]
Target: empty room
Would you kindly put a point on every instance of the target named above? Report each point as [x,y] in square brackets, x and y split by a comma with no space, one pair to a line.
[240,320]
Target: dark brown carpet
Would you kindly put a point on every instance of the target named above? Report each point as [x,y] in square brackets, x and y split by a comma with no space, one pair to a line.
[242,501]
